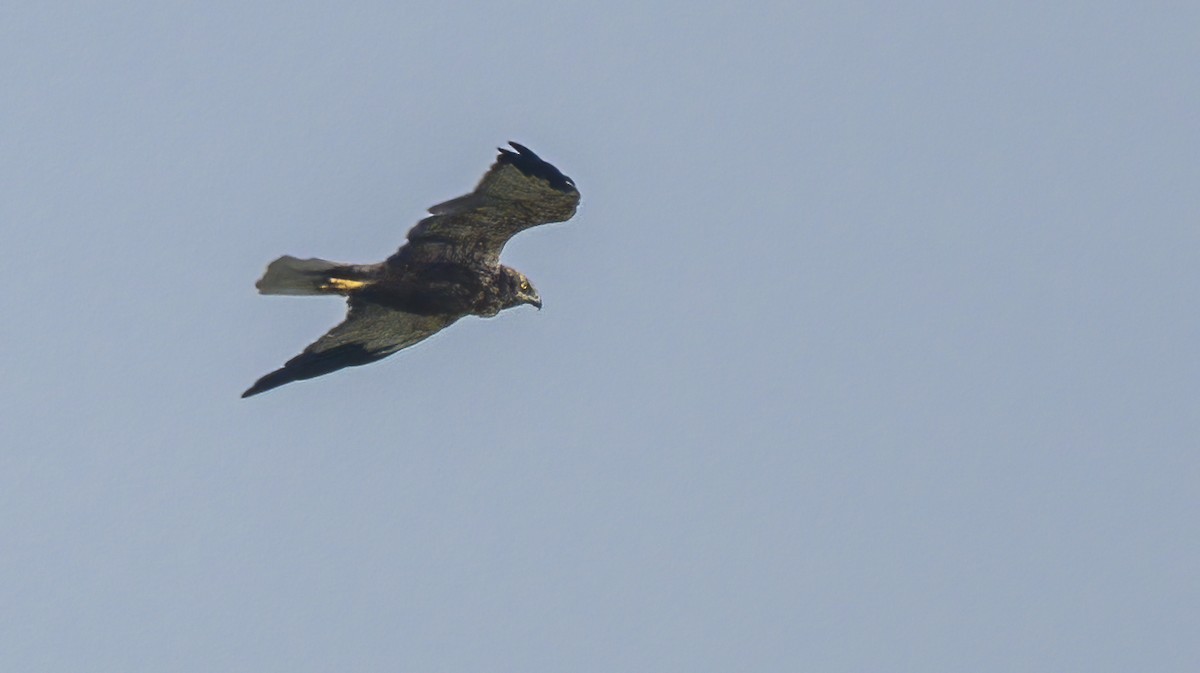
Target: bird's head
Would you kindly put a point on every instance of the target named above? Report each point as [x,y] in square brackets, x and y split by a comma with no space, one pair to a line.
[519,289]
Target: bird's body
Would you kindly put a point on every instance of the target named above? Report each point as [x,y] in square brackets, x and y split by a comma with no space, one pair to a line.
[450,268]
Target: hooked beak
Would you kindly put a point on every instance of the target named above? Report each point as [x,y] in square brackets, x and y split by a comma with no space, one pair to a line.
[537,303]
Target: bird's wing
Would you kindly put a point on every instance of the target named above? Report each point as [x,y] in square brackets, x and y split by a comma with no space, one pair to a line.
[519,191]
[370,332]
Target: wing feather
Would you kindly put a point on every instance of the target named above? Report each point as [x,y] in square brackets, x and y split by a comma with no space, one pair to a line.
[519,191]
[370,332]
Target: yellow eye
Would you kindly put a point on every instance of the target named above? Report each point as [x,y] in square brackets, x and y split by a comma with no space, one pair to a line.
[524,286]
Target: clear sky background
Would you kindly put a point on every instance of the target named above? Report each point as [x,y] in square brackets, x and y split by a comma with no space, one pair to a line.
[872,347]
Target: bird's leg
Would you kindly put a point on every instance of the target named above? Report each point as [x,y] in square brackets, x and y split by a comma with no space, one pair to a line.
[343,285]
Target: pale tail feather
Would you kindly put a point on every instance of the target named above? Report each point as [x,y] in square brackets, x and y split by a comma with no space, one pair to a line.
[289,275]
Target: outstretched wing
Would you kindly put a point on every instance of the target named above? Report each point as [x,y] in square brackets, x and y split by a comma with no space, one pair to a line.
[370,332]
[519,191]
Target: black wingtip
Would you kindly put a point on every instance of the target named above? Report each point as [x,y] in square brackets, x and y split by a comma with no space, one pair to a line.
[529,163]
[521,149]
[309,364]
[263,385]
[272,381]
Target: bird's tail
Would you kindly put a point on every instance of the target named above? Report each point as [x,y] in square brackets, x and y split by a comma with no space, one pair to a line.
[289,275]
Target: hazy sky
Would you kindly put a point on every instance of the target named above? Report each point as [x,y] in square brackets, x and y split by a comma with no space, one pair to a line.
[873,346]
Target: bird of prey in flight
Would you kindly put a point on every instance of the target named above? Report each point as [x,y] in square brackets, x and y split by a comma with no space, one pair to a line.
[449,268]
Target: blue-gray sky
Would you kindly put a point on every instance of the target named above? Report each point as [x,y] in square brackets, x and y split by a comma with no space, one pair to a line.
[873,346]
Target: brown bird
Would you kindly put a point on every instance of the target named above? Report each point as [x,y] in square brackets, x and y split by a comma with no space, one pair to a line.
[449,268]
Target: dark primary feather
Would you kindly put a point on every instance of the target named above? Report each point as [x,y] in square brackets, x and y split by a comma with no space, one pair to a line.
[532,165]
[311,365]
[370,332]
[519,191]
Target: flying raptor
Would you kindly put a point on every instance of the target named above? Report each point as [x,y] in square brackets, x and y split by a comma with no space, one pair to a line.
[449,268]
